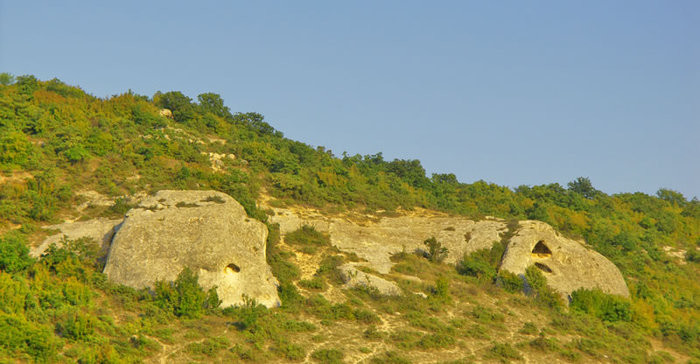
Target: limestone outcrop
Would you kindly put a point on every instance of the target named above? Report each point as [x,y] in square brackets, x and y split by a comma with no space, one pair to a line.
[210,233]
[567,264]
[355,278]
[100,230]
[376,241]
[207,231]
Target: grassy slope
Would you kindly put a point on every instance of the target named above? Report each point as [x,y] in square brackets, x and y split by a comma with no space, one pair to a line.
[56,141]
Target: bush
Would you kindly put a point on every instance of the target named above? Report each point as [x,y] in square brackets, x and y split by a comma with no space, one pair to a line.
[504,352]
[606,307]
[316,283]
[436,341]
[442,289]
[509,282]
[14,254]
[77,326]
[536,285]
[436,252]
[307,236]
[290,351]
[692,255]
[248,314]
[474,265]
[390,357]
[185,297]
[328,356]
[16,334]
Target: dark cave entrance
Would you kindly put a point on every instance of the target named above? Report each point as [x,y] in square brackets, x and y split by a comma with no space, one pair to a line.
[543,267]
[541,250]
[232,268]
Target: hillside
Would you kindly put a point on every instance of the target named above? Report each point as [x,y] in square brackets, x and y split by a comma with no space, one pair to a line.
[68,156]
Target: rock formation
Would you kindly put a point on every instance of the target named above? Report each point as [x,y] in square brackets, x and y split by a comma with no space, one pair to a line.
[100,230]
[355,278]
[210,232]
[567,264]
[376,241]
[207,231]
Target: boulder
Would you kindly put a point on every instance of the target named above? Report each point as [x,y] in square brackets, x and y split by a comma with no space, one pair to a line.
[355,278]
[566,264]
[207,231]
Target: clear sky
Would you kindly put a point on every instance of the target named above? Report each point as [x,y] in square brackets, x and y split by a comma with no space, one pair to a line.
[511,92]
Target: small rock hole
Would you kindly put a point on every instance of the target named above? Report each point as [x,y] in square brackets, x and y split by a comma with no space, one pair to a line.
[232,268]
[541,250]
[543,267]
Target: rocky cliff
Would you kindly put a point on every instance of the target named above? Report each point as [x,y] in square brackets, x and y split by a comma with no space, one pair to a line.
[210,232]
[566,264]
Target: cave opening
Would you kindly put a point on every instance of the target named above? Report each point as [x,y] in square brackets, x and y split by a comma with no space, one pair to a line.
[541,250]
[232,268]
[543,267]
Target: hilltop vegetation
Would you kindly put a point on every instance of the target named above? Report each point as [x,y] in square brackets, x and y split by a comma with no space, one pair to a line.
[56,140]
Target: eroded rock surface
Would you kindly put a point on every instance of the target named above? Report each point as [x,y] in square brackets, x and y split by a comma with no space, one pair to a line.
[567,264]
[376,241]
[207,231]
[355,278]
[100,230]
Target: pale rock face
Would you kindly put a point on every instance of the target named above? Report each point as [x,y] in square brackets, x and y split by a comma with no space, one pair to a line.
[567,264]
[377,241]
[355,278]
[207,231]
[572,265]
[100,230]
[165,112]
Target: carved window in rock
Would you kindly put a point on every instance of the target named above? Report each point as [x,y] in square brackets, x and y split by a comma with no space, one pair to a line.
[541,250]
[232,268]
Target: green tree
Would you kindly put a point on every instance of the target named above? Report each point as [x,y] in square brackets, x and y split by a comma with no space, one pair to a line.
[15,148]
[179,104]
[584,187]
[410,171]
[6,79]
[436,252]
[191,296]
[213,103]
[673,197]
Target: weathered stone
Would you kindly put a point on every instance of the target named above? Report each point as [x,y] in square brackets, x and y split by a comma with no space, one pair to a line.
[376,241]
[567,264]
[100,230]
[207,231]
[355,278]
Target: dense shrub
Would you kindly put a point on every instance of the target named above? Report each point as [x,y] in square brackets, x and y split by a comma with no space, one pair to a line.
[185,297]
[14,254]
[307,236]
[475,265]
[18,335]
[604,306]
[436,253]
[328,356]
[536,285]
[509,281]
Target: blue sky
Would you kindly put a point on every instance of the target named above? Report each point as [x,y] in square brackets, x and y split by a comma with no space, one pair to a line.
[510,92]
